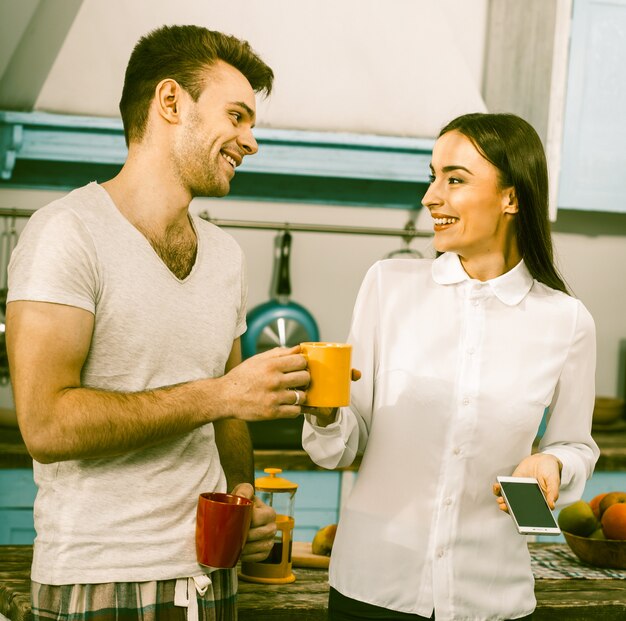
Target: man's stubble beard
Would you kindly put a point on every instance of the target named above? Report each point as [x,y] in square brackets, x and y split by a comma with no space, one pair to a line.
[188,158]
[198,179]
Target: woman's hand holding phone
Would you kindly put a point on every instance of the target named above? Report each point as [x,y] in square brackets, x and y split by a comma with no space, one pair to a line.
[545,468]
[527,505]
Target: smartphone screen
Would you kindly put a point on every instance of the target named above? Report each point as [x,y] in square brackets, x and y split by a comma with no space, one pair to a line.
[528,504]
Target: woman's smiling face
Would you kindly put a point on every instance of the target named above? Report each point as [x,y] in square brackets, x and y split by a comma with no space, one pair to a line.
[473,216]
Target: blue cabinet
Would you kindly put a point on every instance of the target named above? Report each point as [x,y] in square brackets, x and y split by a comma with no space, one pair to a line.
[17,495]
[316,502]
[594,131]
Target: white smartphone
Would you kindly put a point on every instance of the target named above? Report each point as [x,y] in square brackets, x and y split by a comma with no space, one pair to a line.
[528,506]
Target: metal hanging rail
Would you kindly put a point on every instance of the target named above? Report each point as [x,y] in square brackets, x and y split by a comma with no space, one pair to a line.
[14,212]
[408,232]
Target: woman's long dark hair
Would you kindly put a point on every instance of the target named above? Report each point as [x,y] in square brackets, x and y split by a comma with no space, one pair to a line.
[512,145]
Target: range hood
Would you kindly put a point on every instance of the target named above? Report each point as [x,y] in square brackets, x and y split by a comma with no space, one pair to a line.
[40,149]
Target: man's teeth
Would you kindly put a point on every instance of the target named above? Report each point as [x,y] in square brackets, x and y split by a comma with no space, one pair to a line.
[441,221]
[229,159]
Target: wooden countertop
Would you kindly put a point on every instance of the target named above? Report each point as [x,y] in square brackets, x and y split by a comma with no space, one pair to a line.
[13,453]
[306,598]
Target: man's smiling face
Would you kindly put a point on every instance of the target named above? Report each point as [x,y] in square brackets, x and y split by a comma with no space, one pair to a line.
[216,132]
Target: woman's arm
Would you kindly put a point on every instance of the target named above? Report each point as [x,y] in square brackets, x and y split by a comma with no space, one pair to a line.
[568,430]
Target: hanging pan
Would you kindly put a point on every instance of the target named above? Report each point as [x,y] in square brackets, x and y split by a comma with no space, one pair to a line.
[406,252]
[278,322]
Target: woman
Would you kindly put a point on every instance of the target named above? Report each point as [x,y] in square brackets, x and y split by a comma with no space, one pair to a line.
[460,356]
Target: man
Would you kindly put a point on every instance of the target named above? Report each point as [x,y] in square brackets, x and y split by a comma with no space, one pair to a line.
[123,329]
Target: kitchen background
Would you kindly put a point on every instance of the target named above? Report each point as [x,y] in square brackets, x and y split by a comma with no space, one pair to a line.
[362,88]
[365,69]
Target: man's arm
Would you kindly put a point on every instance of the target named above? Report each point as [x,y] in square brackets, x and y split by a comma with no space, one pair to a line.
[59,419]
[233,439]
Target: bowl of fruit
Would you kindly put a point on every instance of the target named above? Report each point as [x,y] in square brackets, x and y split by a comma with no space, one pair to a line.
[607,411]
[596,530]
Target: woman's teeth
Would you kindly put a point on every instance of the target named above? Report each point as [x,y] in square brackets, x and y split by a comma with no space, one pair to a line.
[441,221]
[229,159]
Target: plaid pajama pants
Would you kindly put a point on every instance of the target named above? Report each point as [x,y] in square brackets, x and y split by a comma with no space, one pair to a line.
[169,600]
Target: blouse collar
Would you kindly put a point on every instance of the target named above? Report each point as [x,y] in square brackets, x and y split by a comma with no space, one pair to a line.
[510,288]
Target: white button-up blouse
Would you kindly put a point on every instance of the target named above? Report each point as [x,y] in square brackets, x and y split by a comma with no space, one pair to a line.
[457,374]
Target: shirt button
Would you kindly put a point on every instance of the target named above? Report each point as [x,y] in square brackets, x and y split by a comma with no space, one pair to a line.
[466,401]
[440,553]
[457,451]
[448,501]
[470,351]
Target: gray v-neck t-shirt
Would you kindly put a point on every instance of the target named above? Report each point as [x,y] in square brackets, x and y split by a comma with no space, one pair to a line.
[129,518]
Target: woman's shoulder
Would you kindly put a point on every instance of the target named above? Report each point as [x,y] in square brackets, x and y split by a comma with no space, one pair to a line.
[388,278]
[564,304]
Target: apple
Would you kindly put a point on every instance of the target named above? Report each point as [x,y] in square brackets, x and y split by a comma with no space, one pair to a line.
[323,540]
[578,519]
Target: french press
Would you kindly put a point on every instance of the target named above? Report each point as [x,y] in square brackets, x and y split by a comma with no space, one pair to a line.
[278,493]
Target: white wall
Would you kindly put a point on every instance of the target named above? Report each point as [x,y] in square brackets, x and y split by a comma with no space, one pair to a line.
[595,269]
[326,269]
[394,67]
[14,18]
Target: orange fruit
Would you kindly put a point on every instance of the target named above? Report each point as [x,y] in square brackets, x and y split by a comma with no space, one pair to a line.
[594,503]
[614,521]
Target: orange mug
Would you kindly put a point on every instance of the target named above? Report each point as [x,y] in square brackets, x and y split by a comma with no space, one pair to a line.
[331,373]
[222,525]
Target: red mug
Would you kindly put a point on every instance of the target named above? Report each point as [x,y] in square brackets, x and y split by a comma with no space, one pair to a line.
[222,525]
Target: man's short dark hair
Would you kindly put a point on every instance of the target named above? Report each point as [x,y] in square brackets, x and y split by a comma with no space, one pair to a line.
[182,53]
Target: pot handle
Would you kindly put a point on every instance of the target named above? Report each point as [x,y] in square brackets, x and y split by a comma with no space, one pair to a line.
[284,282]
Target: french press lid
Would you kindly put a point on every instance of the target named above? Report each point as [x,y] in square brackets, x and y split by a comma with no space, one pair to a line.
[273,483]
